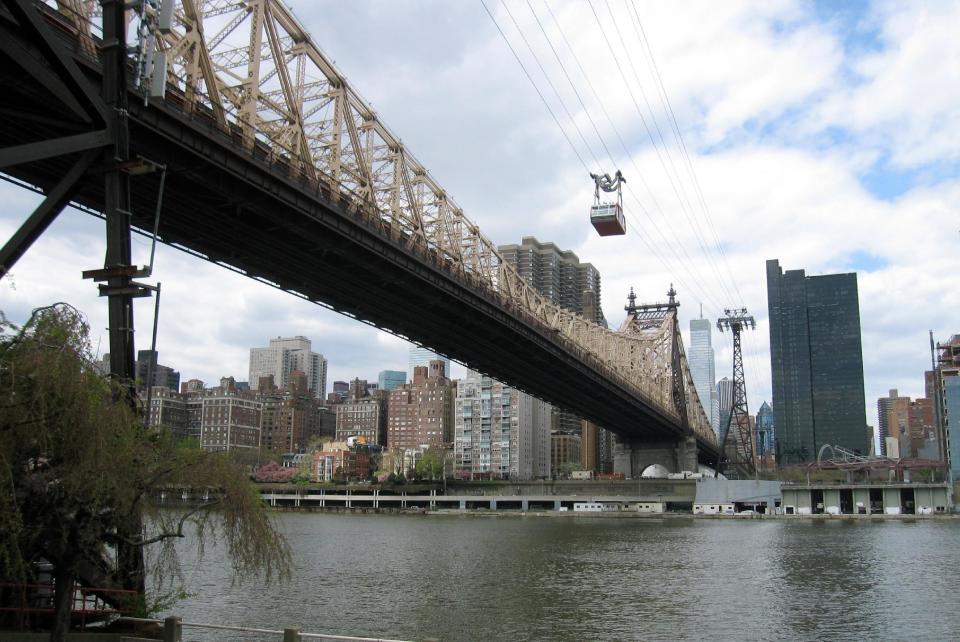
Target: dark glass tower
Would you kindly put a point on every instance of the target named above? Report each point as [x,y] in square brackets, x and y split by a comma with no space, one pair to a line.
[816,362]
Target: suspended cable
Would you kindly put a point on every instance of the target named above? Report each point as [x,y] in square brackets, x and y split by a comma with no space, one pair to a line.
[639,174]
[590,117]
[546,76]
[678,186]
[665,98]
[653,250]
[537,89]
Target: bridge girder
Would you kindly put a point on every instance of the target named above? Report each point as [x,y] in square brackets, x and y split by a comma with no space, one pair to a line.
[294,115]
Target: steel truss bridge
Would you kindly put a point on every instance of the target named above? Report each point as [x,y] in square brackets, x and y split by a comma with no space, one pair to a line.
[275,167]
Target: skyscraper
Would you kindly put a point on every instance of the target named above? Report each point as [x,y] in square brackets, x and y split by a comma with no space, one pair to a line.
[816,363]
[765,430]
[285,356]
[700,357]
[422,357]
[724,404]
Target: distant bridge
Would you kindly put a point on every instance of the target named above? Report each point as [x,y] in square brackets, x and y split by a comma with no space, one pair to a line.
[277,169]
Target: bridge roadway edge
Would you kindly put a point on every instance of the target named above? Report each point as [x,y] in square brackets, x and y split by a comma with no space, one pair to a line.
[311,233]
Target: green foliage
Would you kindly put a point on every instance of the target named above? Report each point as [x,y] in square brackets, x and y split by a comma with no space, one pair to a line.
[566,469]
[77,468]
[430,465]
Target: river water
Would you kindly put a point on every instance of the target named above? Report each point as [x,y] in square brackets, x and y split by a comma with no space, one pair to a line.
[563,578]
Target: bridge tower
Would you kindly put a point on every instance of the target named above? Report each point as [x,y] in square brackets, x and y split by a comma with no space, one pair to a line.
[629,458]
[736,437]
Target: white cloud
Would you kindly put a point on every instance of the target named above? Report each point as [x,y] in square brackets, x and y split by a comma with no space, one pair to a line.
[908,92]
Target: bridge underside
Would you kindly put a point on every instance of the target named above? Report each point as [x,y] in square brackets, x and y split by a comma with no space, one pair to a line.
[632,457]
[231,206]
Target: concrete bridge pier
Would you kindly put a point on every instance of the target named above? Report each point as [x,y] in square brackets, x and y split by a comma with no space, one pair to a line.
[632,458]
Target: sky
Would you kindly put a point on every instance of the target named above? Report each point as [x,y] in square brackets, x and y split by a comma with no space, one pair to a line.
[821,134]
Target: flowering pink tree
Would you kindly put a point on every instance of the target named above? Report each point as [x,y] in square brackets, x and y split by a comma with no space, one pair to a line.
[274,472]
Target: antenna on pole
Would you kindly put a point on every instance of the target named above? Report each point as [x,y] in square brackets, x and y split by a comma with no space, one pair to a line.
[737,442]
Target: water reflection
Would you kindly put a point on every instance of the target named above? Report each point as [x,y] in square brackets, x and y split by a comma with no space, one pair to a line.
[469,578]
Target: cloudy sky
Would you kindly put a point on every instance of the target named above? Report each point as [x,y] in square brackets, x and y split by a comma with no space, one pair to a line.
[822,134]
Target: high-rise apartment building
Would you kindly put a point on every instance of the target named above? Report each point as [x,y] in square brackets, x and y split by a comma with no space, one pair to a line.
[422,357]
[420,413]
[702,369]
[390,379]
[499,432]
[558,275]
[285,356]
[565,281]
[816,363]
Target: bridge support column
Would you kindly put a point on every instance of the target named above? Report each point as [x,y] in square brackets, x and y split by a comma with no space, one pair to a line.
[463,504]
[632,458]
[687,454]
[524,505]
[493,504]
[556,505]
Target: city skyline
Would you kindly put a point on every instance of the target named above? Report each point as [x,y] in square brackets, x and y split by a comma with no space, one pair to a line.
[833,152]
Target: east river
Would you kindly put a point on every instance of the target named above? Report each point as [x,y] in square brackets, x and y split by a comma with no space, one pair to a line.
[564,578]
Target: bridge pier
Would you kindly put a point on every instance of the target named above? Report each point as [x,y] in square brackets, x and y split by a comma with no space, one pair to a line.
[632,458]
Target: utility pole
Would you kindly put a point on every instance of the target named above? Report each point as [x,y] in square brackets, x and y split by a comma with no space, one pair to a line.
[737,449]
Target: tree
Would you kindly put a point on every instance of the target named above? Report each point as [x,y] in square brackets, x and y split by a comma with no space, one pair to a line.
[565,470]
[274,472]
[430,465]
[76,465]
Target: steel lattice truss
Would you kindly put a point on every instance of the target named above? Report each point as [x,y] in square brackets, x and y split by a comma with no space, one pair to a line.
[657,336]
[252,68]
